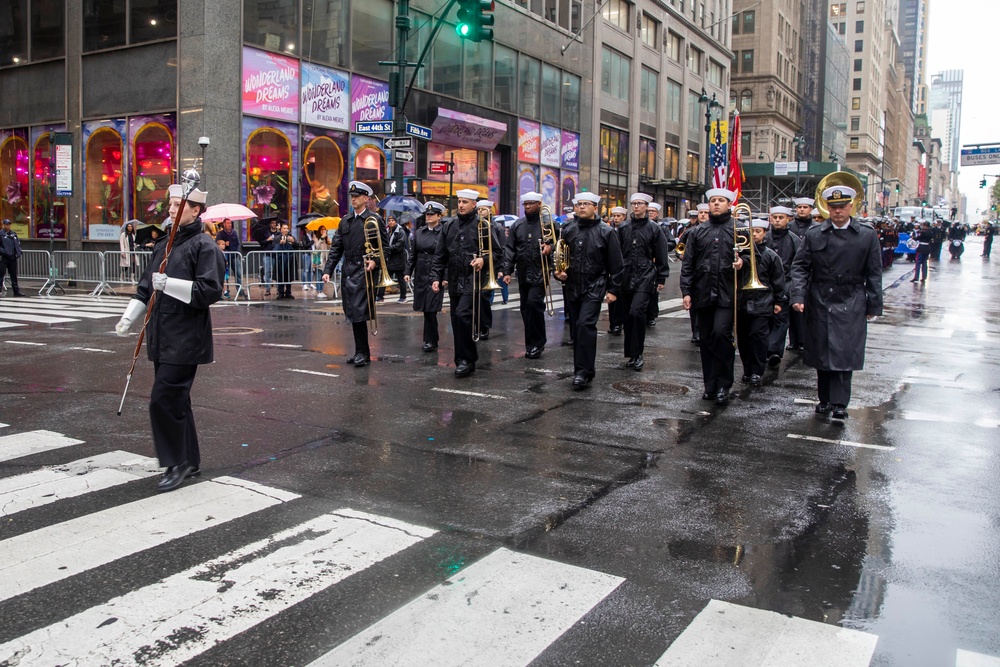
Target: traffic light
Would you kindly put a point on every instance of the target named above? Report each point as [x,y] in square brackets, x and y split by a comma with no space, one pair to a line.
[474,20]
[982,183]
[897,188]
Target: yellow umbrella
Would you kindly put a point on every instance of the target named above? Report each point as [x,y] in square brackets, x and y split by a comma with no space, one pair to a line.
[329,222]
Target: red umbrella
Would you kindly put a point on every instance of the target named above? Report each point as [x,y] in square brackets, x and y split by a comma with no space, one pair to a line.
[220,212]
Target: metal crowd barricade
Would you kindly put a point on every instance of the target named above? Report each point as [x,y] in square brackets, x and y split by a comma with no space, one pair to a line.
[266,269]
[79,266]
[236,275]
[135,263]
[32,265]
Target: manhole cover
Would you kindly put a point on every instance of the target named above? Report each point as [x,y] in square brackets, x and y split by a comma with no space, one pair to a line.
[634,387]
[235,331]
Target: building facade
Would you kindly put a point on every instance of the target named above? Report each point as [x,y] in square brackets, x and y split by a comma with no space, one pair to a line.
[913,44]
[945,111]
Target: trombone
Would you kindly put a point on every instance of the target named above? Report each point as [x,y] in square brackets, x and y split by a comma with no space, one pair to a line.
[744,241]
[484,233]
[548,237]
[373,250]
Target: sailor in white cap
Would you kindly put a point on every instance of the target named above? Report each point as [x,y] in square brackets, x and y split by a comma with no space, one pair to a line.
[837,283]
[456,264]
[645,252]
[785,245]
[523,253]
[348,243]
[758,308]
[803,216]
[179,332]
[817,216]
[653,307]
[707,284]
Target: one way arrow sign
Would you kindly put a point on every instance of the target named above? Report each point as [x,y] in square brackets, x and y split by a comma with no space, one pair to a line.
[402,156]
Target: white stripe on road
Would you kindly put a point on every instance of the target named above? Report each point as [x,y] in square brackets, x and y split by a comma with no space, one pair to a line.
[64,308]
[84,314]
[467,393]
[965,658]
[302,370]
[503,610]
[4,425]
[846,443]
[50,554]
[40,319]
[11,325]
[928,333]
[32,442]
[76,478]
[725,634]
[22,342]
[91,349]
[180,617]
[279,345]
[984,422]
[804,401]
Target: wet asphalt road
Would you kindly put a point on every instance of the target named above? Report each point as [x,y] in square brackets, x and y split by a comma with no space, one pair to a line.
[761,503]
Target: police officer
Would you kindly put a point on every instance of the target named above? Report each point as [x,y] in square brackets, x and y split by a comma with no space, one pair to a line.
[644,250]
[837,283]
[594,275]
[418,273]
[349,243]
[10,252]
[523,253]
[785,244]
[179,333]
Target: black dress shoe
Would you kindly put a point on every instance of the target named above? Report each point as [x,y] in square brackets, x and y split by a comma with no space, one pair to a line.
[745,379]
[484,334]
[351,360]
[695,340]
[464,368]
[615,331]
[839,412]
[708,396]
[175,476]
[429,347]
[639,363]
[581,381]
[756,380]
[533,353]
[823,408]
[19,293]
[361,360]
[630,363]
[722,397]
[650,323]
[774,361]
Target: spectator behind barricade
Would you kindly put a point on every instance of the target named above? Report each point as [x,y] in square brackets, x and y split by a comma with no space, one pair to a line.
[231,237]
[154,236]
[285,261]
[396,254]
[222,246]
[128,261]
[321,247]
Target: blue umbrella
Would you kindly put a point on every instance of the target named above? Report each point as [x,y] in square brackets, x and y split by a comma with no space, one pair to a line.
[507,220]
[401,205]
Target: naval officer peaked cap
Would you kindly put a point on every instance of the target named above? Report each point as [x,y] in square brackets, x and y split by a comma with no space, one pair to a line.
[359,188]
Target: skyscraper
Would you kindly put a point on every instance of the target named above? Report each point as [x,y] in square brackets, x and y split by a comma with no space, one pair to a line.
[913,42]
[945,111]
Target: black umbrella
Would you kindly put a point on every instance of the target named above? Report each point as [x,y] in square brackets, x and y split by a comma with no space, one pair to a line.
[262,227]
[144,234]
[304,219]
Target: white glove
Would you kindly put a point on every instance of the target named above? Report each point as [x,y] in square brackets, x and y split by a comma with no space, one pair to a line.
[178,288]
[134,311]
[159,281]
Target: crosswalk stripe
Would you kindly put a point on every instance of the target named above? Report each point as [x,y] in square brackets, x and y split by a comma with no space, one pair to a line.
[965,658]
[55,303]
[183,615]
[69,480]
[50,554]
[90,314]
[503,610]
[10,325]
[727,634]
[40,319]
[32,442]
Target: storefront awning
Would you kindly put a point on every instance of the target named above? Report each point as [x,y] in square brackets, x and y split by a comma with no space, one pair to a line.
[464,130]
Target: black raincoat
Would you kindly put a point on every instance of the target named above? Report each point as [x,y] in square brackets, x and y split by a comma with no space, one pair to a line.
[522,252]
[760,303]
[707,269]
[457,246]
[645,253]
[425,241]
[837,274]
[595,260]
[785,244]
[349,242]
[799,226]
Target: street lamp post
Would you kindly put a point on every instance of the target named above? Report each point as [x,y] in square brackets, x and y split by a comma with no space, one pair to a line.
[710,103]
[799,141]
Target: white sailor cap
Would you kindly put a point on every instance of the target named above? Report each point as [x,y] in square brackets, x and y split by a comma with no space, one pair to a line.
[702,207]
[591,197]
[619,209]
[815,213]
[655,206]
[484,203]
[640,196]
[721,192]
[359,188]
[692,213]
[804,201]
[433,207]
[761,224]
[781,209]
[839,195]
[531,196]
[468,194]
[196,197]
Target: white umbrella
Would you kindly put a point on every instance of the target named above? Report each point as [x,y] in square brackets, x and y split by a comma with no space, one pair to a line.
[219,212]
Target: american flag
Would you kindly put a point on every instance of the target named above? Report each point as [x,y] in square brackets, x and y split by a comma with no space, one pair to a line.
[718,159]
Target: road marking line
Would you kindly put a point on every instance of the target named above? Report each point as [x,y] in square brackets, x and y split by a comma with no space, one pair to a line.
[301,370]
[69,480]
[540,370]
[467,393]
[92,349]
[32,442]
[63,308]
[804,401]
[216,600]
[846,443]
[4,425]
[23,342]
[10,325]
[724,631]
[40,319]
[965,658]
[929,333]
[53,553]
[289,345]
[983,422]
[503,610]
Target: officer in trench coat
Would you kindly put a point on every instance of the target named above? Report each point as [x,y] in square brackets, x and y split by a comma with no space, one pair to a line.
[349,242]
[837,283]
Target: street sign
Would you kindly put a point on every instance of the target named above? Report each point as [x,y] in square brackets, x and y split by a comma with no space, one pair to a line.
[373,127]
[402,156]
[419,131]
[393,143]
[978,156]
[438,167]
[63,154]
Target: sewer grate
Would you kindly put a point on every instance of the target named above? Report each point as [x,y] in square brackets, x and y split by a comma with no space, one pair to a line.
[634,387]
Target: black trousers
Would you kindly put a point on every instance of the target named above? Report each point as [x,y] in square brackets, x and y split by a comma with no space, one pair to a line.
[360,330]
[585,316]
[653,308]
[532,314]
[486,315]
[461,326]
[779,330]
[170,414]
[397,275]
[796,329]
[752,335]
[635,307]
[616,313]
[431,328]
[715,328]
[693,313]
[834,386]
[9,265]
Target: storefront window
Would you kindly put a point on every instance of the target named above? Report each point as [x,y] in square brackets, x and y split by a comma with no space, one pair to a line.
[104,177]
[447,72]
[323,168]
[479,73]
[42,224]
[371,35]
[324,32]
[647,157]
[504,78]
[570,101]
[693,167]
[103,24]
[152,171]
[14,33]
[369,167]
[152,19]
[670,162]
[48,18]
[272,24]
[14,182]
[614,166]
[529,85]
[269,159]
[551,83]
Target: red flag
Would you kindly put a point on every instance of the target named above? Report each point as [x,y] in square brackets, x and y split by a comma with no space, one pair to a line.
[736,177]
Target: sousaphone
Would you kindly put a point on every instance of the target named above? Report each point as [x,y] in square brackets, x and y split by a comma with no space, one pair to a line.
[840,178]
